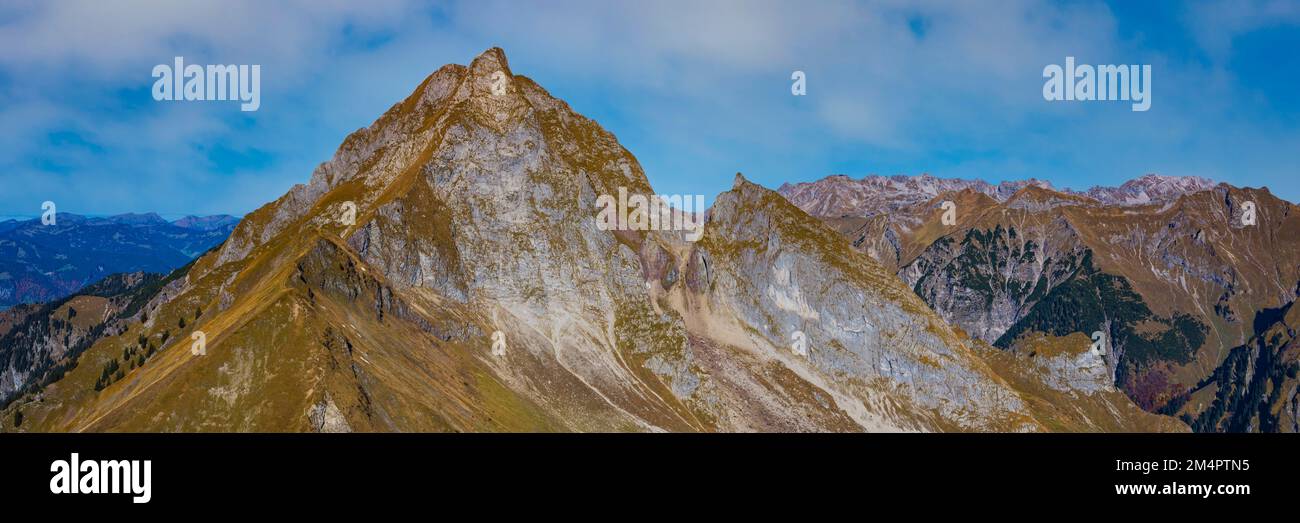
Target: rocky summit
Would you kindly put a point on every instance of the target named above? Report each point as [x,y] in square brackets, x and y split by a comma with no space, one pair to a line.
[445,271]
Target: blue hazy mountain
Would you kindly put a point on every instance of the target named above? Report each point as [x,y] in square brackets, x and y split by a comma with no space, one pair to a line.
[41,262]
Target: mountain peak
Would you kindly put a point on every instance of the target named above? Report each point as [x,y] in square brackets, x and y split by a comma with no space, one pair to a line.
[1151,179]
[1150,188]
[489,62]
[499,99]
[489,79]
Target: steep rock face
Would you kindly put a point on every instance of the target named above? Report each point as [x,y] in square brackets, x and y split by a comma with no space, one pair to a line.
[772,275]
[445,272]
[1069,385]
[991,279]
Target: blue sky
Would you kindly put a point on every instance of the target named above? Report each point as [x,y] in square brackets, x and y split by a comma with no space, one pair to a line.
[696,92]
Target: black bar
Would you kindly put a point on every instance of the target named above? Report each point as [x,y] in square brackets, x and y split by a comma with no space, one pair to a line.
[290,470]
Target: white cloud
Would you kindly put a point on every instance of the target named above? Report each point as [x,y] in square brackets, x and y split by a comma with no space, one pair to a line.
[1218,22]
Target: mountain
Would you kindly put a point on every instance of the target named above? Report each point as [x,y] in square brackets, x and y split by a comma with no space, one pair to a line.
[1150,188]
[40,263]
[1169,268]
[217,222]
[40,342]
[446,271]
[136,219]
[840,196]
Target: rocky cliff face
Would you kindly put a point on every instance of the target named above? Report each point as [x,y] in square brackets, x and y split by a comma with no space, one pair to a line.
[445,271]
[1069,385]
[768,275]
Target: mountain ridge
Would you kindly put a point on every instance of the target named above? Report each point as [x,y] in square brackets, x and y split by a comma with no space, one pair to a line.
[838,196]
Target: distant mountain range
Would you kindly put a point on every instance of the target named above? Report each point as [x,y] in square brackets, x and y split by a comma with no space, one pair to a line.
[41,263]
[840,195]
